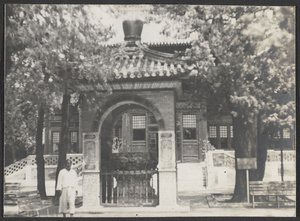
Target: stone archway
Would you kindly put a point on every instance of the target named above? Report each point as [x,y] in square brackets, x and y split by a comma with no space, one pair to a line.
[140,189]
[124,99]
[115,103]
[166,154]
[128,142]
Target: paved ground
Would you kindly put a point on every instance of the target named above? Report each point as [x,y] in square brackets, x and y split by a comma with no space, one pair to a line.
[199,207]
[204,212]
[199,204]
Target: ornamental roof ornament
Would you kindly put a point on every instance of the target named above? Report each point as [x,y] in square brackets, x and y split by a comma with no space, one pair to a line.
[133,60]
[132,30]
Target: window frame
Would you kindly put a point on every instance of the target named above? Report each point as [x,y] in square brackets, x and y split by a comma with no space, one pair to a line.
[194,128]
[186,144]
[73,131]
[74,143]
[118,120]
[278,140]
[52,140]
[132,115]
[218,138]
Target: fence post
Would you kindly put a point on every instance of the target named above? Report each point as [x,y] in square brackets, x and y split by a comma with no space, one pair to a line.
[28,168]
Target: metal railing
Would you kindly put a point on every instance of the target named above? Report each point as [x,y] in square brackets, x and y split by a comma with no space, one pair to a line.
[129,188]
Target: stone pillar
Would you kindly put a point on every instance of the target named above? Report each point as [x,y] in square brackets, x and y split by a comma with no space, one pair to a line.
[91,172]
[28,173]
[167,170]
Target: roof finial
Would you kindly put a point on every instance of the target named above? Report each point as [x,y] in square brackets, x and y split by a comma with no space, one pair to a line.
[132,30]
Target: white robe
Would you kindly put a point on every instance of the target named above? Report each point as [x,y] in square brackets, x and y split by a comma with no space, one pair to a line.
[67,183]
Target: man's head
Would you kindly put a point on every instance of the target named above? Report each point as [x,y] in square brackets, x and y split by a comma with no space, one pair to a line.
[68,164]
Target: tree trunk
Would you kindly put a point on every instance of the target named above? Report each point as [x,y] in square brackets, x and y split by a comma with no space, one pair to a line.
[13,154]
[40,162]
[262,147]
[245,146]
[64,141]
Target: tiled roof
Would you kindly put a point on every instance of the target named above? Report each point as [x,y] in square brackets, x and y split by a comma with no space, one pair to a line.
[142,66]
[141,62]
[154,43]
[168,43]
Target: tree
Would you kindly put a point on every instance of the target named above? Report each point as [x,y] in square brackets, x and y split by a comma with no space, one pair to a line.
[60,45]
[238,54]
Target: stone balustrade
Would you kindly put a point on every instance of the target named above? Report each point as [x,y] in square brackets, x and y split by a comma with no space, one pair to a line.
[220,167]
[50,160]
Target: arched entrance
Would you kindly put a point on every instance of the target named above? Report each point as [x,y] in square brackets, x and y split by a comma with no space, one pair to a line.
[128,144]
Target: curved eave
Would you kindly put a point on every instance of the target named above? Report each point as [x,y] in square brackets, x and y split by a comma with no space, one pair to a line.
[152,44]
[135,60]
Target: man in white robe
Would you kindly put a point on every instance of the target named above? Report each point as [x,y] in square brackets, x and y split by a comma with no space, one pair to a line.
[67,187]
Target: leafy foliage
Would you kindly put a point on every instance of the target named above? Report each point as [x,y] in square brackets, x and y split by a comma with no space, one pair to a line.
[243,56]
[49,47]
[244,63]
[51,50]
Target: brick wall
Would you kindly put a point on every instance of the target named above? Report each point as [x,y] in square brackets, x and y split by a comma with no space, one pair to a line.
[162,100]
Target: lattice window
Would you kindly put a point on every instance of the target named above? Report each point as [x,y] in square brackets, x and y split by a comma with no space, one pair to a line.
[120,133]
[223,131]
[189,121]
[138,122]
[277,135]
[139,127]
[286,133]
[117,128]
[189,124]
[55,137]
[74,137]
[117,133]
[220,136]
[212,131]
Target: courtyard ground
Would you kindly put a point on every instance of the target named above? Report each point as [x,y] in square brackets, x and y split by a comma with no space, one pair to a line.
[204,204]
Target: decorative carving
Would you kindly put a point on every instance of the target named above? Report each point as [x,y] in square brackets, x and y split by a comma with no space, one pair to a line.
[89,157]
[132,161]
[166,150]
[117,145]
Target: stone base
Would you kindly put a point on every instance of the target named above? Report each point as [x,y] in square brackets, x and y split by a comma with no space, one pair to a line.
[91,189]
[167,188]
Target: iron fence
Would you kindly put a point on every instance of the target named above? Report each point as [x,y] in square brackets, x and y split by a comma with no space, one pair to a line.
[129,188]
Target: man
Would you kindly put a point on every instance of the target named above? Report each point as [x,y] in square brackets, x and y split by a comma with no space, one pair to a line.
[67,187]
